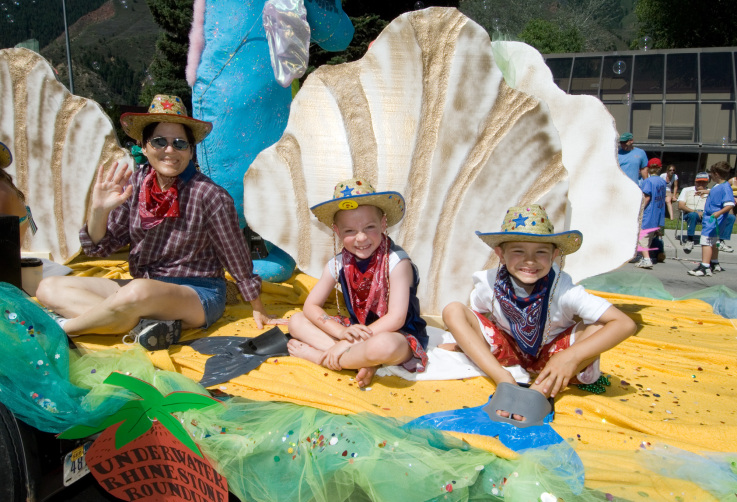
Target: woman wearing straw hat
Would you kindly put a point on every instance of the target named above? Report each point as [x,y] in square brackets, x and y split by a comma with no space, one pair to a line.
[182,229]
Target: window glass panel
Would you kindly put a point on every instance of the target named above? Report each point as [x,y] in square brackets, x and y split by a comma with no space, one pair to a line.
[616,76]
[717,78]
[620,113]
[586,72]
[561,69]
[680,123]
[647,122]
[681,81]
[718,124]
[712,158]
[648,77]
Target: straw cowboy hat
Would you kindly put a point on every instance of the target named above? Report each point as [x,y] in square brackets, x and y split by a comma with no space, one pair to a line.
[349,194]
[6,158]
[531,224]
[164,108]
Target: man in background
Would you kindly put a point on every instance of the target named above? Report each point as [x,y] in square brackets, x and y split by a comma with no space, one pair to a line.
[631,158]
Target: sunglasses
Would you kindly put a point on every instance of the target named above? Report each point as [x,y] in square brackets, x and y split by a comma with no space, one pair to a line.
[160,142]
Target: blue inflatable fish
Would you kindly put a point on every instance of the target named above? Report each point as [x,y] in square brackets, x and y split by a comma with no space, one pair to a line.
[236,90]
[563,459]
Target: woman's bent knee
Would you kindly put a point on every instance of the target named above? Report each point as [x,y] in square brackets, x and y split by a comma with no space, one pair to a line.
[49,289]
[136,292]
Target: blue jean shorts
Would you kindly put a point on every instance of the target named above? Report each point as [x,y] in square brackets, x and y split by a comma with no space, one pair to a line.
[211,291]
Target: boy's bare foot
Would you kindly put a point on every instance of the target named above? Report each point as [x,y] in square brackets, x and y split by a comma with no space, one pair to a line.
[519,418]
[505,414]
[304,351]
[365,375]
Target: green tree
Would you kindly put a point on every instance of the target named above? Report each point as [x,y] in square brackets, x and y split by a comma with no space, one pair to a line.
[592,22]
[367,28]
[167,68]
[547,37]
[688,23]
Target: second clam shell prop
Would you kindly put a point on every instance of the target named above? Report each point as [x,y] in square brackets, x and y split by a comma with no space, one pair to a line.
[428,113]
[57,140]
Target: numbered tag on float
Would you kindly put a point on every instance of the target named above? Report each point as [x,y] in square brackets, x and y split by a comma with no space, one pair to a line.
[75,466]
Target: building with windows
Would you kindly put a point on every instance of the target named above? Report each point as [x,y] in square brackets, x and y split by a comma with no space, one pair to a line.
[679,104]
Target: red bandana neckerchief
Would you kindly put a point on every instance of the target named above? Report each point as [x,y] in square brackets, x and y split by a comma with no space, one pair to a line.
[369,290]
[153,204]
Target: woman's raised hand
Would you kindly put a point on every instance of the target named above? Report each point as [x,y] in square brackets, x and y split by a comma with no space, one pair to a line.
[110,189]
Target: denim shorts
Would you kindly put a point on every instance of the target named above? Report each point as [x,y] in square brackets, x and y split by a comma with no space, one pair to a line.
[211,291]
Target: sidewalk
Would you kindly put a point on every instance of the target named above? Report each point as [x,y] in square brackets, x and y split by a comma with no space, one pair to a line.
[673,273]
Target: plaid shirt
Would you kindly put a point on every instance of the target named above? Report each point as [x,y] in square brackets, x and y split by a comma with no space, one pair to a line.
[199,243]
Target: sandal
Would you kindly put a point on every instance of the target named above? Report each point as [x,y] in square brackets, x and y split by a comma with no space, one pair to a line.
[153,334]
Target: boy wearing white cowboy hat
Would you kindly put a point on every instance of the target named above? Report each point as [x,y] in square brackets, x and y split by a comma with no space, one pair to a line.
[383,325]
[521,315]
[182,229]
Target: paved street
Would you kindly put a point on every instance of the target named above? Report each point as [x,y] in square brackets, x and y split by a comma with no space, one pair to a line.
[673,272]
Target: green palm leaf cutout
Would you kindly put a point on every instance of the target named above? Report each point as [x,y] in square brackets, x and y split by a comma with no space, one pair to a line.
[171,423]
[137,416]
[131,410]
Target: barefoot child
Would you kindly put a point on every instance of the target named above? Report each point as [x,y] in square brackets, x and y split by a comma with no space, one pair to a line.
[379,285]
[521,316]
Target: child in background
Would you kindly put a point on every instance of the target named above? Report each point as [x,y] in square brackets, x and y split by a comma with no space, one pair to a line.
[653,216]
[714,223]
[379,285]
[522,314]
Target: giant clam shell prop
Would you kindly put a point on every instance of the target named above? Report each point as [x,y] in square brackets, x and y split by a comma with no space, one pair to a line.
[57,140]
[603,202]
[428,113]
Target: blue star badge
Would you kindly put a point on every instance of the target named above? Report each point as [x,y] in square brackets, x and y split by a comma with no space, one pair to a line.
[347,192]
[520,220]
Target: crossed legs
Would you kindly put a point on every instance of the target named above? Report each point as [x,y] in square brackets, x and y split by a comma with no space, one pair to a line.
[103,306]
[312,343]
[464,325]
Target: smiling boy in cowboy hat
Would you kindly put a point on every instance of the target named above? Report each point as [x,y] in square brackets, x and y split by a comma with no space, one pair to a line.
[381,328]
[521,315]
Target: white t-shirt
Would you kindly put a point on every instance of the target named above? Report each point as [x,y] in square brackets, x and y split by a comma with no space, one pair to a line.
[568,301]
[692,201]
[669,185]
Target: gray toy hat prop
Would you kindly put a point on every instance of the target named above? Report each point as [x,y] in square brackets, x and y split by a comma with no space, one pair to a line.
[518,400]
[531,224]
[349,194]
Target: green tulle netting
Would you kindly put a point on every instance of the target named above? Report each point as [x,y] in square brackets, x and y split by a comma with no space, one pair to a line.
[271,451]
[34,375]
[268,451]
